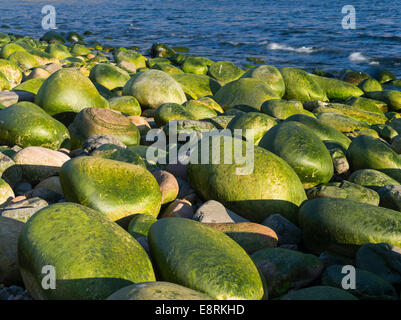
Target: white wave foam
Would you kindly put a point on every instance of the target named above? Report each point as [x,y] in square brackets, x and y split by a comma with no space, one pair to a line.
[283,47]
[357,57]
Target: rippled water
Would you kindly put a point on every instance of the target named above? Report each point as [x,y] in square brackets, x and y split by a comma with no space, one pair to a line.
[306,34]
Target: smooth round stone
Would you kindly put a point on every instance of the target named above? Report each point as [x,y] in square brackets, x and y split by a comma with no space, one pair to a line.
[23,210]
[11,71]
[9,171]
[153,88]
[214,212]
[109,75]
[225,71]
[6,193]
[39,163]
[179,209]
[287,232]
[269,75]
[95,141]
[140,224]
[168,185]
[125,104]
[158,290]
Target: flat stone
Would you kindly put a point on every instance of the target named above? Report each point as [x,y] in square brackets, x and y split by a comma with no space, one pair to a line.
[7,98]
[24,209]
[214,212]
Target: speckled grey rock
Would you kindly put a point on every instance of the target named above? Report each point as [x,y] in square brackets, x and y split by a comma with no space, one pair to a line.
[390,197]
[287,232]
[214,212]
[96,141]
[24,209]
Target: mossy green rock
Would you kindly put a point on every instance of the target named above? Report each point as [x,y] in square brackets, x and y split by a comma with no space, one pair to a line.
[342,122]
[299,85]
[302,150]
[372,179]
[337,89]
[255,123]
[125,104]
[157,290]
[173,111]
[6,193]
[270,187]
[205,101]
[344,190]
[92,256]
[244,91]
[167,68]
[79,50]
[31,85]
[342,226]
[161,50]
[225,71]
[109,76]
[114,152]
[366,152]
[58,51]
[140,224]
[286,269]
[116,189]
[153,88]
[353,77]
[368,286]
[9,48]
[25,124]
[369,85]
[367,104]
[92,121]
[131,56]
[391,97]
[52,35]
[24,60]
[270,75]
[319,293]
[219,267]
[322,130]
[196,86]
[197,65]
[11,71]
[4,84]
[9,171]
[282,109]
[62,101]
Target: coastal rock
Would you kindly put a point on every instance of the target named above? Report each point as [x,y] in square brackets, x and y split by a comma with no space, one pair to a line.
[23,210]
[140,224]
[214,212]
[109,76]
[168,185]
[287,232]
[270,75]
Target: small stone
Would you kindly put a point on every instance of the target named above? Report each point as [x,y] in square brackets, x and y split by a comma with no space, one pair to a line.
[178,208]
[96,141]
[52,67]
[24,209]
[51,183]
[127,66]
[45,194]
[287,232]
[22,188]
[168,185]
[7,98]
[38,73]
[214,212]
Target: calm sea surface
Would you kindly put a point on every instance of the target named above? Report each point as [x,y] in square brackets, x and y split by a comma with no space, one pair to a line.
[306,34]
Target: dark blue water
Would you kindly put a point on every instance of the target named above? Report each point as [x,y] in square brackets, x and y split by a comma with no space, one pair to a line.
[306,34]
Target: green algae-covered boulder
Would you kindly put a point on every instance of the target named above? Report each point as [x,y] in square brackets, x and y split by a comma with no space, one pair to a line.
[25,124]
[153,88]
[342,122]
[368,285]
[256,122]
[366,152]
[302,150]
[353,77]
[197,65]
[161,50]
[11,71]
[31,85]
[131,56]
[381,75]
[116,189]
[337,89]
[205,101]
[196,86]
[62,100]
[367,104]
[107,122]
[344,190]
[369,85]
[4,84]
[125,104]
[10,48]
[167,68]
[286,269]
[244,91]
[114,152]
[299,85]
[58,51]
[109,76]
[372,179]
[80,50]
[24,60]
[342,226]
[350,111]
[322,130]
[157,290]
[282,109]
[391,97]
[140,224]
[319,293]
[154,61]
[173,111]
[255,190]
[219,267]
[270,75]
[225,71]
[93,257]
[52,36]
